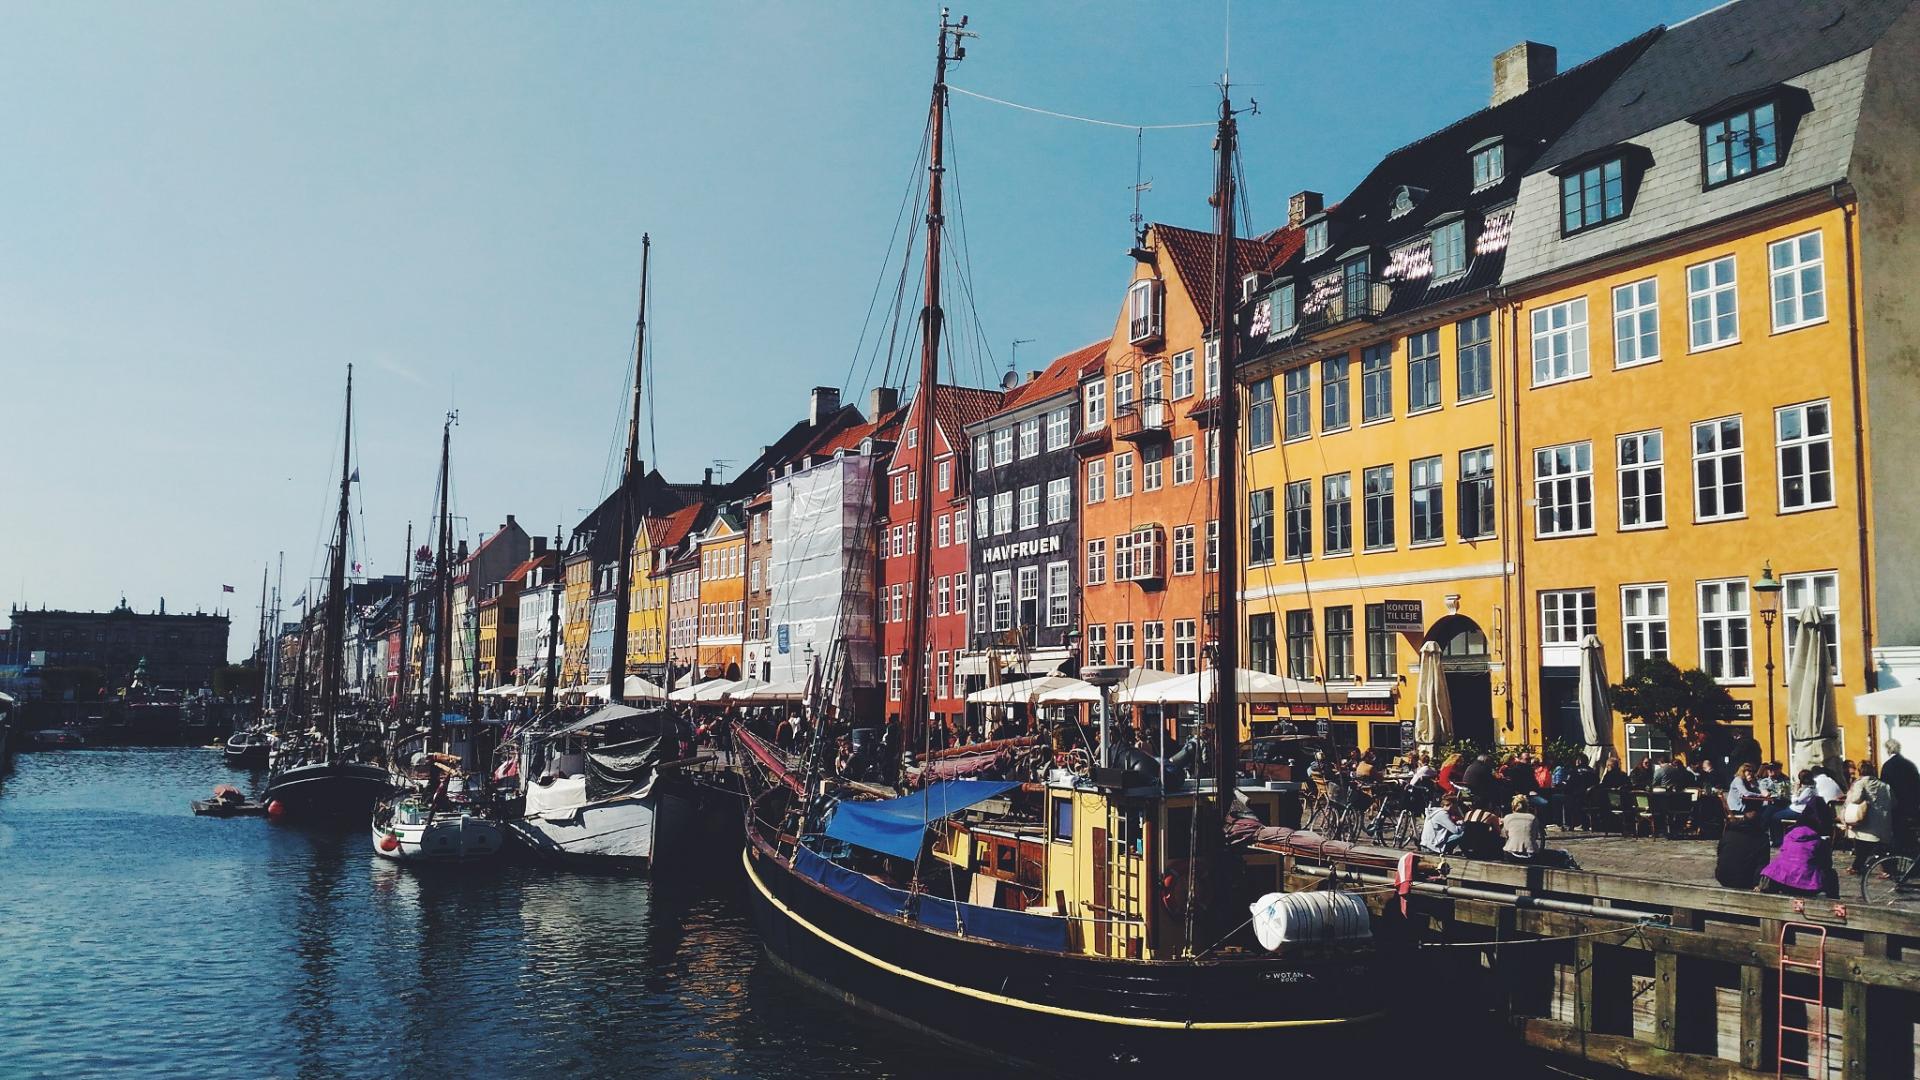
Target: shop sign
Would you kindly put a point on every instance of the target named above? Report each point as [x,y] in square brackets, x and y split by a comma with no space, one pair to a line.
[1374,707]
[1301,710]
[1023,549]
[1403,617]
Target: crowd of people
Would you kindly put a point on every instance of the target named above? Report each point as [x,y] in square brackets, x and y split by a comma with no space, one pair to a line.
[1782,838]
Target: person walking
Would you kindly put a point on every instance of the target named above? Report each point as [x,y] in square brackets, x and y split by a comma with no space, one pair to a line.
[1869,816]
[1903,778]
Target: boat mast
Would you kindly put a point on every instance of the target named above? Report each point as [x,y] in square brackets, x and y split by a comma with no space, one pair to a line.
[553,627]
[1226,642]
[333,636]
[401,704]
[629,474]
[260,651]
[279,583]
[917,706]
[443,592]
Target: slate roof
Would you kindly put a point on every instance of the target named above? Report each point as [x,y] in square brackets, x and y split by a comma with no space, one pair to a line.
[1192,255]
[1060,377]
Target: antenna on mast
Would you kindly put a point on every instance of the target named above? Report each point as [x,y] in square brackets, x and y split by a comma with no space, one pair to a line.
[1140,187]
[1013,357]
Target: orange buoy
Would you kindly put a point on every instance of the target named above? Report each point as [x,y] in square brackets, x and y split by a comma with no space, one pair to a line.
[274,809]
[389,842]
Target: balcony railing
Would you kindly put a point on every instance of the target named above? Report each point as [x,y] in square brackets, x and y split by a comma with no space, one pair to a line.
[1142,421]
[1358,299]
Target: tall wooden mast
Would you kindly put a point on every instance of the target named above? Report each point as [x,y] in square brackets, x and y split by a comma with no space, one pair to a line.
[443,588]
[1226,642]
[914,715]
[333,635]
[629,513]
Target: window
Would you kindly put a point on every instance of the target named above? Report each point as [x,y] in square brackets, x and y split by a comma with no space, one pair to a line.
[1299,520]
[1334,397]
[1427,502]
[1003,446]
[1059,593]
[1143,311]
[983,515]
[982,453]
[1560,341]
[943,596]
[1123,557]
[1095,400]
[1593,196]
[913,438]
[1643,483]
[1563,489]
[945,528]
[1803,435]
[1285,311]
[1643,617]
[1153,394]
[899,495]
[980,605]
[1740,145]
[1339,634]
[1154,652]
[1337,499]
[1259,526]
[1260,414]
[893,677]
[946,475]
[1646,743]
[960,525]
[896,595]
[1376,382]
[1122,391]
[1473,339]
[1726,628]
[1183,553]
[1213,451]
[1489,165]
[1152,467]
[1029,437]
[1096,480]
[1212,369]
[1123,644]
[1299,404]
[1377,484]
[1186,653]
[1797,272]
[1122,475]
[1566,616]
[1262,649]
[1300,644]
[1096,644]
[1002,512]
[1096,562]
[1476,493]
[1059,500]
[1183,375]
[1423,371]
[1820,591]
[940,678]
[1213,545]
[1030,506]
[1316,237]
[1183,460]
[1719,470]
[1059,429]
[1449,249]
[898,537]
[1354,286]
[1636,323]
[1713,308]
[1382,659]
[1002,599]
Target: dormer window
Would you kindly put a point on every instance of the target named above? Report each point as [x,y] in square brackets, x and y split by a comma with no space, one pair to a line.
[1248,286]
[1285,311]
[1489,163]
[1404,200]
[1143,311]
[1316,237]
[1450,249]
[1593,196]
[1740,144]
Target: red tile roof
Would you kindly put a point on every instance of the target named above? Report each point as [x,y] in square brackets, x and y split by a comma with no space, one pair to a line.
[1192,254]
[958,407]
[667,531]
[520,572]
[1059,377]
[849,439]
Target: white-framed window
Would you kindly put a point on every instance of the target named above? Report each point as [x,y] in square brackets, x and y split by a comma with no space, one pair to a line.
[899,494]
[1153,468]
[897,537]
[1183,375]
[1646,743]
[960,594]
[1259,527]
[1153,393]
[1560,341]
[896,597]
[1337,510]
[913,438]
[1029,437]
[1726,631]
[944,526]
[1213,545]
[1449,250]
[1002,513]
[1297,522]
[1636,323]
[943,595]
[1563,489]
[1059,500]
[1713,305]
[983,516]
[1123,644]
[1059,428]
[1003,446]
[1096,644]
[1213,452]
[1426,501]
[1183,549]
[1377,507]
[1183,460]
[1094,397]
[982,453]
[1059,593]
[1123,475]
[1143,311]
[1489,165]
[1123,393]
[1029,594]
[1096,481]
[1211,368]
[1641,458]
[1803,438]
[980,605]
[1003,599]
[1317,240]
[960,524]
[1821,591]
[946,474]
[1643,623]
[1796,272]
[945,665]
[1030,506]
[1719,470]
[1154,640]
[893,677]
[1097,562]
[1186,647]
[1566,616]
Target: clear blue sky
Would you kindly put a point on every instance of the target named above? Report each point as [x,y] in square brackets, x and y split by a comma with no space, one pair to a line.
[210,209]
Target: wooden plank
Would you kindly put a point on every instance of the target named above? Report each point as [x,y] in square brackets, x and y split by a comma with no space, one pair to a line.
[1853,1031]
[1753,1017]
[1583,1003]
[1666,1000]
[1626,1054]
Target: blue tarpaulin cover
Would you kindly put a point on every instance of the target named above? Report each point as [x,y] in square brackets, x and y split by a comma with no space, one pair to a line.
[996,924]
[895,826]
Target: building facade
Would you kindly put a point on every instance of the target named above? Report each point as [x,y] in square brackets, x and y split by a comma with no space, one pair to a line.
[181,651]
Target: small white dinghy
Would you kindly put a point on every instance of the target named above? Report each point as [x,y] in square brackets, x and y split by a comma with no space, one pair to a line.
[411,829]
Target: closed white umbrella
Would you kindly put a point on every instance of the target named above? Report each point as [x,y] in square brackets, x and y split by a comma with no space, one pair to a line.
[1811,730]
[1596,700]
[1432,707]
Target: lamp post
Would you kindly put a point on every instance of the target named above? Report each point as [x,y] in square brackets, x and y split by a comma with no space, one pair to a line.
[1767,590]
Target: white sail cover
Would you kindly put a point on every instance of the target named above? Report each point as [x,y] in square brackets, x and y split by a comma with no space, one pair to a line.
[821,573]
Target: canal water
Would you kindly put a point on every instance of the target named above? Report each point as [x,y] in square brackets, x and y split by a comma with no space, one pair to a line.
[139,940]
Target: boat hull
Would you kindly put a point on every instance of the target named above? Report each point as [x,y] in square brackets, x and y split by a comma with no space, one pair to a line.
[632,832]
[1067,1011]
[338,791]
[448,838]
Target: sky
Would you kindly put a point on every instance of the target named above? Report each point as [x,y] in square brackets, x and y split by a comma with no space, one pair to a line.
[208,210]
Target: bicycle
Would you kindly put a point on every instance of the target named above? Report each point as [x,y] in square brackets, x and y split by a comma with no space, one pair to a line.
[1892,877]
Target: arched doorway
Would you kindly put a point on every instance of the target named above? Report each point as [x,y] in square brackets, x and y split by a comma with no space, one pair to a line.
[1463,656]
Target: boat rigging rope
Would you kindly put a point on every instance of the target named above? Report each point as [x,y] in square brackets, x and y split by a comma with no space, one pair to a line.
[1080,119]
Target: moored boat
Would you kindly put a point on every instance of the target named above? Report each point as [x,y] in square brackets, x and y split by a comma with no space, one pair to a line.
[415,828]
[246,749]
[609,799]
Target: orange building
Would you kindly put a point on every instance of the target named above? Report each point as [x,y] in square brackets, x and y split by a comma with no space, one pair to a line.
[722,552]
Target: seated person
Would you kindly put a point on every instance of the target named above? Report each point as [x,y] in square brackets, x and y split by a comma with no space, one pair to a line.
[1802,867]
[1480,834]
[1523,831]
[1742,853]
[1440,830]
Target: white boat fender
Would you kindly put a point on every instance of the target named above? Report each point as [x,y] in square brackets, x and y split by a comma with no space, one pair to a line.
[1279,918]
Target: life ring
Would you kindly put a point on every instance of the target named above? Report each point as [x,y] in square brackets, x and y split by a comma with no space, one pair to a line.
[1173,885]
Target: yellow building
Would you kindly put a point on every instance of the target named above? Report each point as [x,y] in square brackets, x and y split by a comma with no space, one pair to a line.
[647,621]
[722,550]
[576,622]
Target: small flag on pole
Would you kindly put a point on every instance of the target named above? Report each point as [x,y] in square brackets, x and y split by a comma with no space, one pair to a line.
[226,588]
[356,567]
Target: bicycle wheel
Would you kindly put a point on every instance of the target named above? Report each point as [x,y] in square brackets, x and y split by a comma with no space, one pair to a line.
[1888,878]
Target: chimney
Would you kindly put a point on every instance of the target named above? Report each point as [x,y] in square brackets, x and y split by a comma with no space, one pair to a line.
[1522,68]
[1302,205]
[706,478]
[508,525]
[883,400]
[539,544]
[824,402]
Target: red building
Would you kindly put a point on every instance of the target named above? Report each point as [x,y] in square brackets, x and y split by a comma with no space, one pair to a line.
[908,479]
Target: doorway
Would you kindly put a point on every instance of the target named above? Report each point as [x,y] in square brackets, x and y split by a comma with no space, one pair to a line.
[1463,657]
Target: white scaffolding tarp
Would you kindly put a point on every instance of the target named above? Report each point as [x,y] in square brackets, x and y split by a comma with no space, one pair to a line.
[821,571]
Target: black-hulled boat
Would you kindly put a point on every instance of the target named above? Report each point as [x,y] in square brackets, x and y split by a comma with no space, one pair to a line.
[246,749]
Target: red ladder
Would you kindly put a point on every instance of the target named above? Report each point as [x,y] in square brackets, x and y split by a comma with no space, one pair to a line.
[1814,1008]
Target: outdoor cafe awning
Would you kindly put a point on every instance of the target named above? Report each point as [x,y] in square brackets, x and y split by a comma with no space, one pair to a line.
[895,826]
[1898,701]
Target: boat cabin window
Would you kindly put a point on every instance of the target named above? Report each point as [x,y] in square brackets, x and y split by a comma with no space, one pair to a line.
[1006,857]
[1063,820]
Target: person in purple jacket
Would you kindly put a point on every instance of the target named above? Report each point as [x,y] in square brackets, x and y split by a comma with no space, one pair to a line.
[1804,864]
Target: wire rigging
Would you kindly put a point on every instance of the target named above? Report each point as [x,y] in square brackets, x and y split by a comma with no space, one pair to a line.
[1078,119]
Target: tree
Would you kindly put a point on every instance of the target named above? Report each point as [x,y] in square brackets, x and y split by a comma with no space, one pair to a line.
[1688,705]
[236,679]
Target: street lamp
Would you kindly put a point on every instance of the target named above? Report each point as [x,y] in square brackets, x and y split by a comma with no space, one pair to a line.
[1767,592]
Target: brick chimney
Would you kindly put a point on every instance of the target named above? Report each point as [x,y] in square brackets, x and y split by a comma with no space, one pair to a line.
[539,543]
[821,404]
[1522,68]
[882,401]
[1303,205]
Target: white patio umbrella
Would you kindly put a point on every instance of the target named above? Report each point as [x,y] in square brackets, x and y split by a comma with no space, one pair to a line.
[637,689]
[1596,700]
[1811,731]
[1894,701]
[770,692]
[1022,692]
[725,688]
[1432,707]
[1198,689]
[691,693]
[1077,692]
